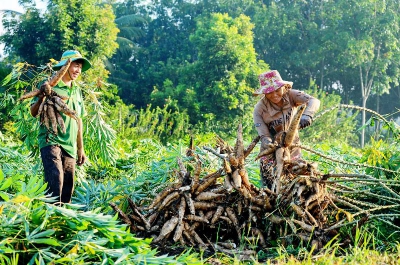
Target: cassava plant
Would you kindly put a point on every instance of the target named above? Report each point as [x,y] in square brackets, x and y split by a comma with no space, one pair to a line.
[164,124]
[32,231]
[338,124]
[35,232]
[383,154]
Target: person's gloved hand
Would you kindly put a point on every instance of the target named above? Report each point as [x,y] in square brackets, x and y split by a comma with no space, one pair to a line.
[305,121]
[265,143]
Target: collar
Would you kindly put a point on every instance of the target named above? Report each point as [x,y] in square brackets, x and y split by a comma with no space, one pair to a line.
[273,108]
[62,85]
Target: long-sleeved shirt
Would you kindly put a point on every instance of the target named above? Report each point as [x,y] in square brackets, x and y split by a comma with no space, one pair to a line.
[270,119]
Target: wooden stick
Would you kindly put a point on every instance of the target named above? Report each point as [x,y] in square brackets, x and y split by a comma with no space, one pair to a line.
[251,146]
[341,161]
[222,156]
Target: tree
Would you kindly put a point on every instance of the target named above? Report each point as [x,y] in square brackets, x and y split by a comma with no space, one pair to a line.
[84,25]
[163,50]
[346,46]
[295,37]
[131,29]
[370,31]
[225,73]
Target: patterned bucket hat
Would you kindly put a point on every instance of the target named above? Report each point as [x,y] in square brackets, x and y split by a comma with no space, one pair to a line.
[269,82]
[74,55]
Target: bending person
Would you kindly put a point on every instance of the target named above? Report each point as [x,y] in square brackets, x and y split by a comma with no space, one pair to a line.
[273,113]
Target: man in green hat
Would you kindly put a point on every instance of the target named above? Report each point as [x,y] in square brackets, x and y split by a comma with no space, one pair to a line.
[62,151]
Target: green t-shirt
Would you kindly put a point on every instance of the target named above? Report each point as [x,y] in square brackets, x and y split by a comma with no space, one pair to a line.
[68,140]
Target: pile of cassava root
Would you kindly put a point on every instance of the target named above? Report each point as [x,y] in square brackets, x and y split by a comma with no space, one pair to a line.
[53,104]
[222,211]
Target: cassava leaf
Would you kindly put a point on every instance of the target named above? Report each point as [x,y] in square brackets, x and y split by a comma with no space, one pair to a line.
[47,241]
[6,184]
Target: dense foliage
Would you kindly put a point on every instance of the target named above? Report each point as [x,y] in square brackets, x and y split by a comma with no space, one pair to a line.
[182,55]
[166,71]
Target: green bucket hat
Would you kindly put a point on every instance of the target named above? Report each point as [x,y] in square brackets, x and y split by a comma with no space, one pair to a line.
[73,55]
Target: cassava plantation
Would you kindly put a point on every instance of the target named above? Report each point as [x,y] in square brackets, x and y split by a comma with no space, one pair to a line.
[173,158]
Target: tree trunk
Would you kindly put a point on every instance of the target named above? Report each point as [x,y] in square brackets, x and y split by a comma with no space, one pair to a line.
[377,123]
[364,104]
[321,85]
[366,87]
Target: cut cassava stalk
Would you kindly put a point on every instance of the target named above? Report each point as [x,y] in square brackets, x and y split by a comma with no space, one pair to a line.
[239,148]
[59,74]
[196,177]
[139,214]
[121,214]
[251,146]
[46,87]
[214,152]
[135,218]
[342,161]
[182,169]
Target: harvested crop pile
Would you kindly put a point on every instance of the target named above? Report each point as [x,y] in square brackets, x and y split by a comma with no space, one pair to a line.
[222,211]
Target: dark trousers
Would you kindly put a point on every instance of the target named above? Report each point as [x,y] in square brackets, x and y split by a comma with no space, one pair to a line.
[59,170]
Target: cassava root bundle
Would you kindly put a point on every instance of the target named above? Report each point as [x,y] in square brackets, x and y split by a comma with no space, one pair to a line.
[52,103]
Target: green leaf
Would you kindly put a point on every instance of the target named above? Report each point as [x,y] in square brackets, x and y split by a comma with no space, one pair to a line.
[6,184]
[125,253]
[38,215]
[367,123]
[4,196]
[7,79]
[42,234]
[47,241]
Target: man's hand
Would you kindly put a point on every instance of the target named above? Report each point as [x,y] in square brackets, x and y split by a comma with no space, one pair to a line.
[305,121]
[81,157]
[35,106]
